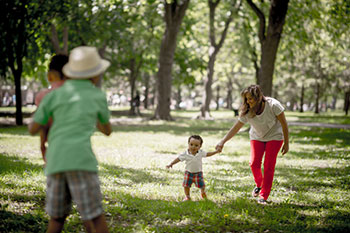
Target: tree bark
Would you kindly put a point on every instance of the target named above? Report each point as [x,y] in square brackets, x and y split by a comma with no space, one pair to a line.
[147,79]
[302,99]
[56,42]
[132,80]
[269,40]
[174,14]
[217,97]
[347,102]
[16,50]
[229,101]
[317,107]
[17,75]
[213,51]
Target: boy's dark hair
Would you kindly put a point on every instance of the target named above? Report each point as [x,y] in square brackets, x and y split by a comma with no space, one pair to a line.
[57,62]
[197,137]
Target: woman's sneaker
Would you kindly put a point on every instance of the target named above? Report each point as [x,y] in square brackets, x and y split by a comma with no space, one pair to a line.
[256,191]
[262,201]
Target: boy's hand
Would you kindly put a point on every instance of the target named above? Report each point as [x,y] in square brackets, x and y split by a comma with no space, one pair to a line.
[169,166]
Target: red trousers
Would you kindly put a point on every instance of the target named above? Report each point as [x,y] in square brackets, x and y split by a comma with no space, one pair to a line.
[271,149]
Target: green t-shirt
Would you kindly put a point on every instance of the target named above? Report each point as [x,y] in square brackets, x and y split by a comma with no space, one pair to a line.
[75,109]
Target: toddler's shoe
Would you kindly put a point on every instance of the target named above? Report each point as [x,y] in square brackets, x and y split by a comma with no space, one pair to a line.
[187,199]
[204,195]
[256,191]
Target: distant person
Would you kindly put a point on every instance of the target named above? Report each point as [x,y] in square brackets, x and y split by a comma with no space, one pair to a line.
[136,103]
[193,171]
[56,79]
[77,107]
[269,130]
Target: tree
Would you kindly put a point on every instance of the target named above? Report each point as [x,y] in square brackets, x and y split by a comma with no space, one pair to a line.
[213,51]
[173,16]
[269,40]
[19,21]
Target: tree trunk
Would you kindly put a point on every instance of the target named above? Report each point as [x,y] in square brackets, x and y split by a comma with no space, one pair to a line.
[132,80]
[302,99]
[213,51]
[145,102]
[174,13]
[217,97]
[347,102]
[269,40]
[17,75]
[101,51]
[229,101]
[16,49]
[56,42]
[317,107]
[208,94]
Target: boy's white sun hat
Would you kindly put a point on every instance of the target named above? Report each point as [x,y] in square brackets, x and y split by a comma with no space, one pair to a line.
[84,62]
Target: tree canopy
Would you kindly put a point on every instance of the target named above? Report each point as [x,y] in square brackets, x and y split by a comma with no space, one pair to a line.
[305,64]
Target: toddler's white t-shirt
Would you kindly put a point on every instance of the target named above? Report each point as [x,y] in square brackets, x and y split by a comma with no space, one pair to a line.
[193,162]
[266,127]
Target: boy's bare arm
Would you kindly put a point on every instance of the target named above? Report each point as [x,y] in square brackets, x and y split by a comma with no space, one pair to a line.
[43,139]
[34,127]
[104,128]
[173,163]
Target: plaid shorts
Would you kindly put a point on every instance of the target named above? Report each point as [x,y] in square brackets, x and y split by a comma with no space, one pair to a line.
[197,178]
[83,187]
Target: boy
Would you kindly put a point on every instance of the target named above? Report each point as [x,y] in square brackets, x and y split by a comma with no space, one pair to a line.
[193,171]
[71,168]
[56,79]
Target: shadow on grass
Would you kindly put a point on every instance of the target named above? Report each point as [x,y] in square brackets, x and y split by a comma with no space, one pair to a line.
[186,129]
[302,179]
[320,118]
[14,130]
[320,136]
[178,127]
[319,154]
[20,221]
[10,222]
[134,175]
[128,213]
[15,164]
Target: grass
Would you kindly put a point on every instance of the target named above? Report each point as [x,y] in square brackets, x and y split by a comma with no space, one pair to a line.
[310,191]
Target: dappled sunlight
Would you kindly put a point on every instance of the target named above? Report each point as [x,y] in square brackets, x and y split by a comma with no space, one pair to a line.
[311,184]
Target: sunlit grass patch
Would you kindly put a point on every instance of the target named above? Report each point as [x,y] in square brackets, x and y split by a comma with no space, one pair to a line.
[310,191]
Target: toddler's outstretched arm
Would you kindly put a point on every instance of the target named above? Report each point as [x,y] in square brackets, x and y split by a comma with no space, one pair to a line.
[212,153]
[173,163]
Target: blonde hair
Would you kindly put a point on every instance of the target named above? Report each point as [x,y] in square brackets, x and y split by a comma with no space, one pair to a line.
[259,97]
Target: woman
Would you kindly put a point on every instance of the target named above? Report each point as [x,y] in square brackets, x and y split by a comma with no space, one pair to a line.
[269,130]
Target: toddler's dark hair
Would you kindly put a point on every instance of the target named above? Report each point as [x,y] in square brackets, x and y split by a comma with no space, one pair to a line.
[197,137]
[57,62]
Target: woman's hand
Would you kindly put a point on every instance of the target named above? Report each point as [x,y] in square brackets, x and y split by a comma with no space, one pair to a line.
[285,148]
[219,146]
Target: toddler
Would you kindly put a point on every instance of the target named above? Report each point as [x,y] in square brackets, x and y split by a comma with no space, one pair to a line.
[193,170]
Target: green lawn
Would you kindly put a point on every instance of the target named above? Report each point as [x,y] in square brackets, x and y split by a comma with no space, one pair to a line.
[310,194]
